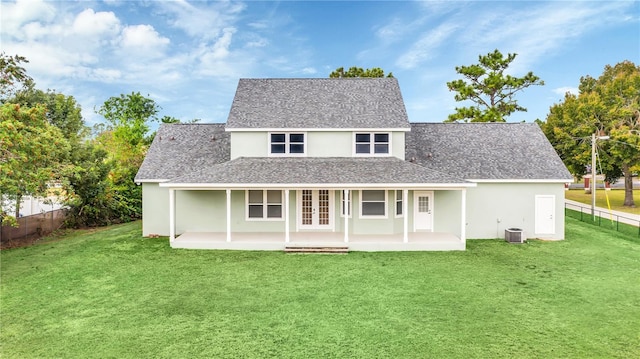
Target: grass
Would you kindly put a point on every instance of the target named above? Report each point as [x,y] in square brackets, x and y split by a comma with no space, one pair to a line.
[616,199]
[111,293]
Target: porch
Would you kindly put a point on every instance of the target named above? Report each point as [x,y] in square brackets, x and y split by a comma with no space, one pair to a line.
[417,241]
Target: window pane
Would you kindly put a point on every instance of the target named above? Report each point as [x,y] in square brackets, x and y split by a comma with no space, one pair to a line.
[381,148]
[381,137]
[363,137]
[274,197]
[373,209]
[277,148]
[274,211]
[377,195]
[362,148]
[398,195]
[277,137]
[255,211]
[296,148]
[399,208]
[296,137]
[255,196]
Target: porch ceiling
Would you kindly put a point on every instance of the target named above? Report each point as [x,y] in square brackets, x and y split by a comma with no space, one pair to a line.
[305,172]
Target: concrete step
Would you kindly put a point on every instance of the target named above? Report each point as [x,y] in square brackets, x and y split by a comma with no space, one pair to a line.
[317,249]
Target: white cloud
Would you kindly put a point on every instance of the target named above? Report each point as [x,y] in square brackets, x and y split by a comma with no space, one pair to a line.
[563,90]
[220,49]
[204,20]
[143,40]
[426,46]
[537,31]
[15,15]
[309,71]
[89,23]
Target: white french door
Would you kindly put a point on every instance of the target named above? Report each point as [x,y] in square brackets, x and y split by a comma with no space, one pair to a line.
[315,209]
[423,211]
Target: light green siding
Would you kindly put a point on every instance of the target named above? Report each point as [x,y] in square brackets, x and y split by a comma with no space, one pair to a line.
[200,211]
[155,209]
[447,211]
[397,142]
[329,144]
[249,144]
[319,144]
[494,207]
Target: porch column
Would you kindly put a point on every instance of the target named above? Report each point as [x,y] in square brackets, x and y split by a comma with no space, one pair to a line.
[228,215]
[172,214]
[405,212]
[463,216]
[347,205]
[286,216]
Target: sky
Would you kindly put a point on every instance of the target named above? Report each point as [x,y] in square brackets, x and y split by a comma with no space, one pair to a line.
[189,55]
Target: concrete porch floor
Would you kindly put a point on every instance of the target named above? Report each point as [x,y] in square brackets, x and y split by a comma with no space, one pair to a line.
[418,241]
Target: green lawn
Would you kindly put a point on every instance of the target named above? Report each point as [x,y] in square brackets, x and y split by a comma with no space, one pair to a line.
[616,199]
[111,293]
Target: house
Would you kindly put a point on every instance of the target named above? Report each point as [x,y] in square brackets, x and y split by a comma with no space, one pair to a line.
[337,162]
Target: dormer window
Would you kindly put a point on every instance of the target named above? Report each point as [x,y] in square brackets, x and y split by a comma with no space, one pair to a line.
[292,144]
[376,144]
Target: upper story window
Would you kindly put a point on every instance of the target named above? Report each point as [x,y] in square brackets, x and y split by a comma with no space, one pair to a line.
[287,144]
[372,143]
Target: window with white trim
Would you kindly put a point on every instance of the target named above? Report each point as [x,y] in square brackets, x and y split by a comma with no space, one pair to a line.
[345,204]
[264,204]
[399,198]
[372,143]
[373,203]
[287,144]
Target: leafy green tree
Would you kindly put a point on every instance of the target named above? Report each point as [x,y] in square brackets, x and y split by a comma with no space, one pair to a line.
[30,149]
[90,197]
[608,105]
[492,91]
[359,72]
[13,76]
[128,116]
[62,111]
[125,140]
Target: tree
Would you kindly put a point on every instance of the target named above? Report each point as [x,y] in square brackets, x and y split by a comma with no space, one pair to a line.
[359,72]
[125,141]
[486,85]
[62,111]
[13,76]
[127,116]
[29,151]
[607,105]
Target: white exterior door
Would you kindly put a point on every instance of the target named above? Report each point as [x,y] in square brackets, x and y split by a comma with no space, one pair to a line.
[423,211]
[315,209]
[545,214]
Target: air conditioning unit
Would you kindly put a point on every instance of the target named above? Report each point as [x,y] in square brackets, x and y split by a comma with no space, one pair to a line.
[514,235]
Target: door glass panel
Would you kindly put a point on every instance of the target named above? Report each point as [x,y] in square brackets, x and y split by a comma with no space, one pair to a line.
[323,207]
[307,207]
[423,204]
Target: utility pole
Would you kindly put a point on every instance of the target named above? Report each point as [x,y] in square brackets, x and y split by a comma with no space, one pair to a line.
[593,176]
[594,138]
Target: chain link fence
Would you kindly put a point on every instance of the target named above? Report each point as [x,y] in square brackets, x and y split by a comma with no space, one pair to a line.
[36,225]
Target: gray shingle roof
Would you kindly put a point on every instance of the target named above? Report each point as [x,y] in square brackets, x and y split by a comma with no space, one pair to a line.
[318,103]
[315,170]
[183,148]
[490,151]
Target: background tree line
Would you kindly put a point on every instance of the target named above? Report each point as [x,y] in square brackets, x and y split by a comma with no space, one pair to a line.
[44,141]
